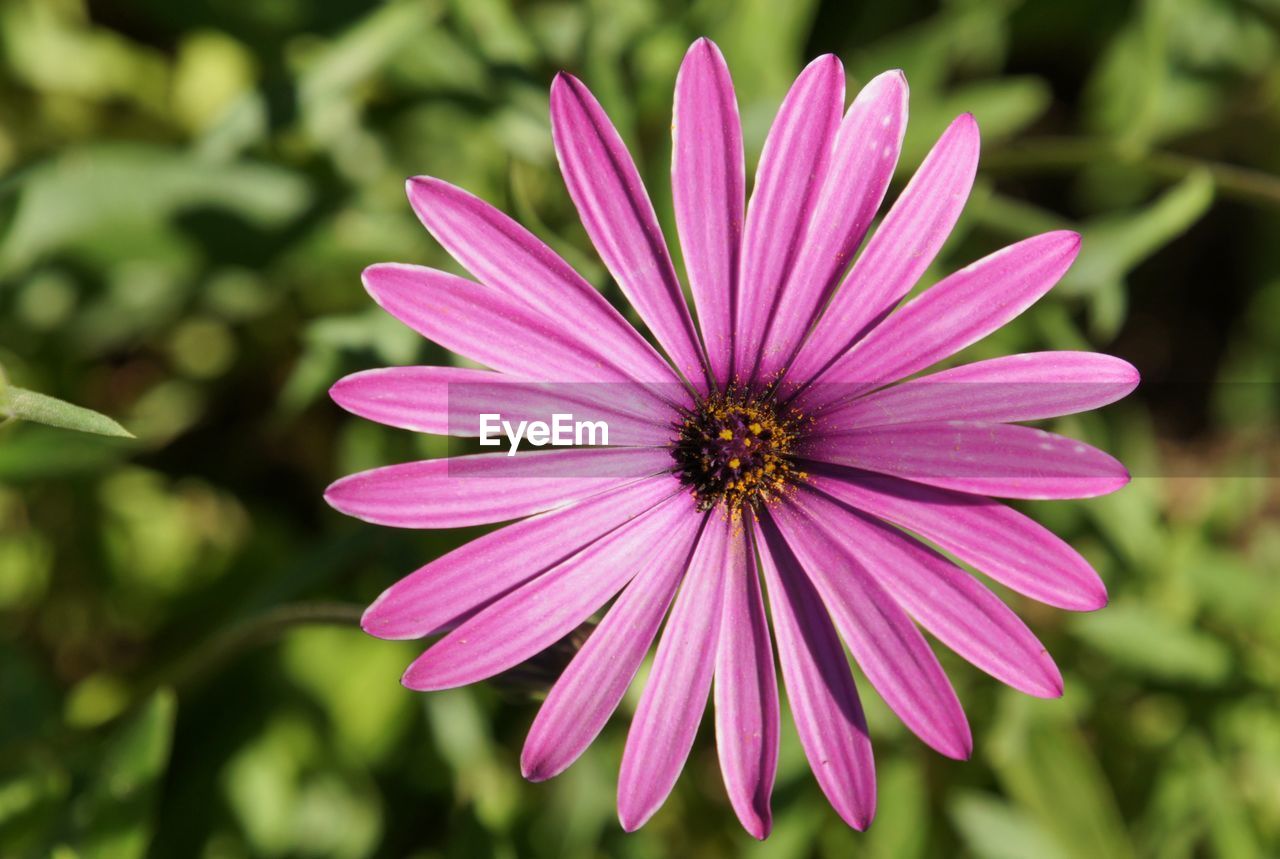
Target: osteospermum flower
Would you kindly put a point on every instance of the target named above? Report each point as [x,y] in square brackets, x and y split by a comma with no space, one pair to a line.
[764,453]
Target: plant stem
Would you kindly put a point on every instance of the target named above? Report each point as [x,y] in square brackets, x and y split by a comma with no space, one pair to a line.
[1073,153]
[252,632]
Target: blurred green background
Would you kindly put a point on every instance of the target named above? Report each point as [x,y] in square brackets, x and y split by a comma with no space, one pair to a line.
[189,193]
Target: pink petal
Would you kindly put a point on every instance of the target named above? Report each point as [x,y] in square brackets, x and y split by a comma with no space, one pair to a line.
[435,597]
[1027,387]
[589,690]
[1004,460]
[960,310]
[509,259]
[746,694]
[1011,548]
[540,612]
[450,400]
[493,328]
[707,179]
[824,700]
[455,492]
[788,179]
[615,209]
[886,644]
[676,693]
[862,163]
[948,602]
[899,251]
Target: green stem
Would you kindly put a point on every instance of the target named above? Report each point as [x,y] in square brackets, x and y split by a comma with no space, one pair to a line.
[1073,153]
[250,633]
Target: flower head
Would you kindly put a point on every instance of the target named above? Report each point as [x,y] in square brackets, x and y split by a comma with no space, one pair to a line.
[770,451]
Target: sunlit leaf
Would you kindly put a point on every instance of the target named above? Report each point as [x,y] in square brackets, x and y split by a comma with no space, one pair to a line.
[22,404]
[1144,640]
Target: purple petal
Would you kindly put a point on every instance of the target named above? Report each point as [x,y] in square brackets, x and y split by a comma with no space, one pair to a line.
[540,612]
[886,644]
[707,179]
[960,310]
[455,492]
[509,259]
[676,693]
[1027,387]
[435,597]
[746,695]
[589,690]
[824,699]
[792,166]
[615,209]
[1004,460]
[449,401]
[1011,548]
[862,163]
[493,328]
[900,249]
[948,602]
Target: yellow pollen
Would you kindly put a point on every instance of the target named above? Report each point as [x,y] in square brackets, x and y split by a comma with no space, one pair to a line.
[727,435]
[756,428]
[735,462]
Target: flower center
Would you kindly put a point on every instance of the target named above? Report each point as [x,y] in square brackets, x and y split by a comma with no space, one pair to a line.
[737,448]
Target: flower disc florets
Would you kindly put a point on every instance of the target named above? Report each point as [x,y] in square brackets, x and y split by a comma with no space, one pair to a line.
[737,449]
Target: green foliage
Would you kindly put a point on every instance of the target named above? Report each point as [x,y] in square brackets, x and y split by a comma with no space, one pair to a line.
[20,404]
[188,193]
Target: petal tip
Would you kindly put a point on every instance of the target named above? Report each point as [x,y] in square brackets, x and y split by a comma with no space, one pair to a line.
[630,820]
[562,81]
[533,768]
[369,622]
[759,825]
[334,494]
[418,680]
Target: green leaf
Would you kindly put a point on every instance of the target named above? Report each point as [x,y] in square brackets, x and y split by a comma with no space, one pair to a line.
[1115,244]
[114,816]
[901,828]
[27,405]
[1050,770]
[102,199]
[21,404]
[1155,645]
[996,830]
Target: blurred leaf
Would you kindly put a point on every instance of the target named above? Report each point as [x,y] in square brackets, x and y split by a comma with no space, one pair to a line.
[1114,244]
[1049,770]
[292,796]
[349,60]
[1146,641]
[114,817]
[36,452]
[27,405]
[500,35]
[994,830]
[98,190]
[348,673]
[901,829]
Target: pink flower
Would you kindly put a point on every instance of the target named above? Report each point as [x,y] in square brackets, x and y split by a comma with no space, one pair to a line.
[768,453]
